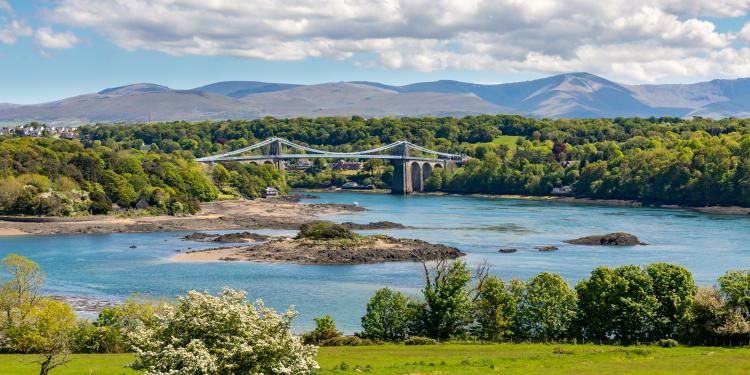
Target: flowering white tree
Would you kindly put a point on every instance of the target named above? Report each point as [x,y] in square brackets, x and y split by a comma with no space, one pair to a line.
[224,334]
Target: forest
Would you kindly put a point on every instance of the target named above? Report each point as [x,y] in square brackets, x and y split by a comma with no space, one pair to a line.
[694,162]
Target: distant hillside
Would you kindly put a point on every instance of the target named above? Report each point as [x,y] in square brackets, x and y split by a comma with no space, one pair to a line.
[574,95]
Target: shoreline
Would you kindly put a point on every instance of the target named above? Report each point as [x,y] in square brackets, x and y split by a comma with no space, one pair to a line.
[714,210]
[220,215]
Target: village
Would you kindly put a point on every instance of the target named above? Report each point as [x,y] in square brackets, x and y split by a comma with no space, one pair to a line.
[35,129]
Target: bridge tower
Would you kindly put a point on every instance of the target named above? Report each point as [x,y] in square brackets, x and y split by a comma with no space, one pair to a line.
[276,151]
[402,181]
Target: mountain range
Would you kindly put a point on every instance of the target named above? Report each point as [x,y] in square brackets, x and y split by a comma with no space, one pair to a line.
[573,95]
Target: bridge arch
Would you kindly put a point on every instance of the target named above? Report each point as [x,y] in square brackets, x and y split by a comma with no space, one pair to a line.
[426,170]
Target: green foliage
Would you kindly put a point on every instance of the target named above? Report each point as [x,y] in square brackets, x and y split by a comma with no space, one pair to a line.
[495,310]
[325,231]
[325,329]
[388,316]
[447,306]
[48,330]
[40,176]
[547,308]
[618,303]
[667,343]
[347,341]
[417,340]
[674,290]
[735,285]
[19,293]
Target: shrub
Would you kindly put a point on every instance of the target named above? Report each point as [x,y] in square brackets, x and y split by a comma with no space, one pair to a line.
[667,343]
[326,231]
[205,334]
[325,328]
[417,340]
[347,341]
[388,316]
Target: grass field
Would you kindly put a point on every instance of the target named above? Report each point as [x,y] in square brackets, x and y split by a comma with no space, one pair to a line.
[467,359]
[508,140]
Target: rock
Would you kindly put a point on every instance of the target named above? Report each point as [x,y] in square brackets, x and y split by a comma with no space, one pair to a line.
[611,239]
[547,248]
[507,251]
[133,247]
[375,225]
[226,238]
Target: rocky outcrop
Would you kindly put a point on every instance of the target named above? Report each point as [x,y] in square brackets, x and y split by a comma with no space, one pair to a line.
[374,225]
[547,248]
[611,239]
[364,250]
[507,251]
[226,238]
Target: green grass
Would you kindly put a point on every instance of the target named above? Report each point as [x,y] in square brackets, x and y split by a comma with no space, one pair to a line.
[468,359]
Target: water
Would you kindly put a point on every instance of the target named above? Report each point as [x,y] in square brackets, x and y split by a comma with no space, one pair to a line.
[105,265]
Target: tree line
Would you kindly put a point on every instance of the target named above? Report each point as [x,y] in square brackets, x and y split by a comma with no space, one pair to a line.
[655,160]
[59,177]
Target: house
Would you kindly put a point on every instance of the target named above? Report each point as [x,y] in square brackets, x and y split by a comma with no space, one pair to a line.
[562,190]
[347,165]
[270,192]
[142,204]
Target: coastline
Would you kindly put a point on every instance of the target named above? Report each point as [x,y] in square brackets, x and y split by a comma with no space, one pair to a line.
[714,210]
[221,215]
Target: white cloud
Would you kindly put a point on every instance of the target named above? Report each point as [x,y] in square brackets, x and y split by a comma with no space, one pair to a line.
[745,32]
[631,40]
[48,38]
[10,31]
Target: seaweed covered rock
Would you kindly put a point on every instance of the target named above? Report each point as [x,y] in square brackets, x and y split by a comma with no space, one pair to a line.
[611,239]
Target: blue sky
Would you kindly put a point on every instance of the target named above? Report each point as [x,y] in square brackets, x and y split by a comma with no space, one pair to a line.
[54,49]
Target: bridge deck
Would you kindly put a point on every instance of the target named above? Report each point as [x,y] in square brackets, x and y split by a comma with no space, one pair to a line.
[318,156]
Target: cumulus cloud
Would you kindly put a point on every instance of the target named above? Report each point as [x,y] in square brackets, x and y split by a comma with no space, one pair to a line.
[48,38]
[632,40]
[11,30]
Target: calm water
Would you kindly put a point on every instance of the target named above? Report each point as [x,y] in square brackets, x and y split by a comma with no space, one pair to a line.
[105,266]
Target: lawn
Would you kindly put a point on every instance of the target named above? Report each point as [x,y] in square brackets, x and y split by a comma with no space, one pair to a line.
[469,359]
[508,140]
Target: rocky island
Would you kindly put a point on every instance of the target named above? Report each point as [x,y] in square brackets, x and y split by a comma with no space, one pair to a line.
[611,239]
[327,243]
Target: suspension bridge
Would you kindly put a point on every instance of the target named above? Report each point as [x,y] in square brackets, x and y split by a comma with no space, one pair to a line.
[413,163]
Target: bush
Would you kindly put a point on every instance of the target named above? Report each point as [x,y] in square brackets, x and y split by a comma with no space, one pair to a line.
[388,316]
[326,231]
[417,340]
[667,343]
[347,341]
[325,328]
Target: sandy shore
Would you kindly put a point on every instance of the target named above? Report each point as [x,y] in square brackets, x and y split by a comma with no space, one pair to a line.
[372,249]
[223,215]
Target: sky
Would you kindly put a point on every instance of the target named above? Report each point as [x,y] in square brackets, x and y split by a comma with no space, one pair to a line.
[52,49]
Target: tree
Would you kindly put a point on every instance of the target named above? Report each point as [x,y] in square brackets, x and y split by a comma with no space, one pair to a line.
[618,303]
[735,286]
[48,330]
[388,316]
[325,328]
[495,310]
[220,175]
[674,290]
[447,302]
[547,308]
[223,334]
[20,292]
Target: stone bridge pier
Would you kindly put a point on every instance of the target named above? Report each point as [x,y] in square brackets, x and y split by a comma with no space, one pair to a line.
[409,175]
